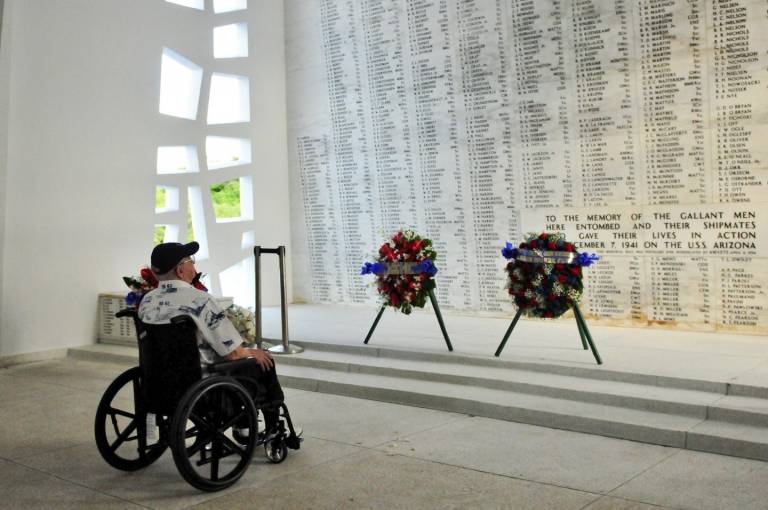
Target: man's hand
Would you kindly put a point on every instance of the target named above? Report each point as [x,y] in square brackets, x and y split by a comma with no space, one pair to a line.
[263,358]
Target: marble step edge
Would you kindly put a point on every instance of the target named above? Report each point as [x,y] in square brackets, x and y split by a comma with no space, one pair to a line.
[123,354]
[668,404]
[682,436]
[597,372]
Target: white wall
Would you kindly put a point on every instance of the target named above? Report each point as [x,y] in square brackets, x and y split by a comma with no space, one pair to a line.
[83,129]
[5,40]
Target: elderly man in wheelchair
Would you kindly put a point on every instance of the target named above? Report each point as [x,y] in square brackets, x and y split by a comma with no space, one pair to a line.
[196,389]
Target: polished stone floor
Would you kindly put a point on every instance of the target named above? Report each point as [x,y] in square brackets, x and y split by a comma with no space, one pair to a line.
[357,454]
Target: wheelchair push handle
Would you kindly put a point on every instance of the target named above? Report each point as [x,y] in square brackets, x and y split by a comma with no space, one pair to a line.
[127,312]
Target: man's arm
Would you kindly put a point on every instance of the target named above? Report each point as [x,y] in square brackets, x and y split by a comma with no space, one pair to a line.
[263,358]
[221,335]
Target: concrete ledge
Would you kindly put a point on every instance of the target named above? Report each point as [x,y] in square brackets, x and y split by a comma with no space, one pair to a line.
[486,361]
[123,358]
[510,391]
[32,357]
[640,433]
[727,446]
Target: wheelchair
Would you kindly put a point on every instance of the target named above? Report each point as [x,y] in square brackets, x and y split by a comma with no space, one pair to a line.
[211,424]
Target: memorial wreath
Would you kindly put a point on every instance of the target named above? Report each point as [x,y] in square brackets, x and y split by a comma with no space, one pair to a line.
[545,276]
[405,269]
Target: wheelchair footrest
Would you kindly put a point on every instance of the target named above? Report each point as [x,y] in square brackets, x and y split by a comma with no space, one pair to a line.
[293,442]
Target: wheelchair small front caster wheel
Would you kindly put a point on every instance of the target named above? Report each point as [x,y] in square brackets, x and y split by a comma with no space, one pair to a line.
[276,450]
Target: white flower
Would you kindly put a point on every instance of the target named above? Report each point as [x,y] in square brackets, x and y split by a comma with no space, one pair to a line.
[243,320]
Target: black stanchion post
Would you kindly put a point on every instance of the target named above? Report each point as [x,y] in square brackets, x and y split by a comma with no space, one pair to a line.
[375,323]
[509,332]
[257,292]
[440,319]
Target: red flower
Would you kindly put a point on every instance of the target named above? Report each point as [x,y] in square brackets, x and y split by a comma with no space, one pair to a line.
[561,278]
[568,247]
[551,245]
[551,297]
[387,252]
[393,299]
[576,271]
[149,277]
[544,236]
[559,267]
[534,244]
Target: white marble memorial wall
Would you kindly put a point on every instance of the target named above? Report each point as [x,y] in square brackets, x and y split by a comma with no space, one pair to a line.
[636,127]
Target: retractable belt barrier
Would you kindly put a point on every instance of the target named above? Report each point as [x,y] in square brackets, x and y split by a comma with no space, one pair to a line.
[285,347]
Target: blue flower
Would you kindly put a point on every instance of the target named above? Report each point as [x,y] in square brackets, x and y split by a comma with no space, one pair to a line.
[586,259]
[131,299]
[509,251]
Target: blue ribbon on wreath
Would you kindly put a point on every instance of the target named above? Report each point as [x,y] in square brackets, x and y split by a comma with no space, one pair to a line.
[587,259]
[509,251]
[374,268]
[426,266]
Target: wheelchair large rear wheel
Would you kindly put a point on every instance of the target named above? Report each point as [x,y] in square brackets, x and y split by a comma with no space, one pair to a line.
[201,438]
[120,429]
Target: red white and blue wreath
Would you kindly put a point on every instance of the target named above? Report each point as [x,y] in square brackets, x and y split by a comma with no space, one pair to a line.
[404,270]
[545,276]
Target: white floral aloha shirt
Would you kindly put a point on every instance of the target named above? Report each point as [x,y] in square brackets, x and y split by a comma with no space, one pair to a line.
[216,336]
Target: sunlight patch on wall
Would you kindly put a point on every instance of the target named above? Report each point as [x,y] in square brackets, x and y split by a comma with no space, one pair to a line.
[180,81]
[229,100]
[223,151]
[230,41]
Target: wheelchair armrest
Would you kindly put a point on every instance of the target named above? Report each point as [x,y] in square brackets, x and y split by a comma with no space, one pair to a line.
[228,366]
[127,312]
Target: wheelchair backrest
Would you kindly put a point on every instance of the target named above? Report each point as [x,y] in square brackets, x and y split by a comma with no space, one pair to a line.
[169,360]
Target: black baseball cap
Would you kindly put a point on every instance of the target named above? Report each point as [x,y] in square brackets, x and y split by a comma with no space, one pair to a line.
[166,256]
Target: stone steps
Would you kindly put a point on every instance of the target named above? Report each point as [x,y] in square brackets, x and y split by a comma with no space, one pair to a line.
[699,415]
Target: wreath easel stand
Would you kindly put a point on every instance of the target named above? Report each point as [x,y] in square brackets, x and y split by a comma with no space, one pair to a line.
[586,337]
[435,306]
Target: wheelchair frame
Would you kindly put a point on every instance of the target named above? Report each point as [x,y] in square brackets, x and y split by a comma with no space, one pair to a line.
[206,421]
